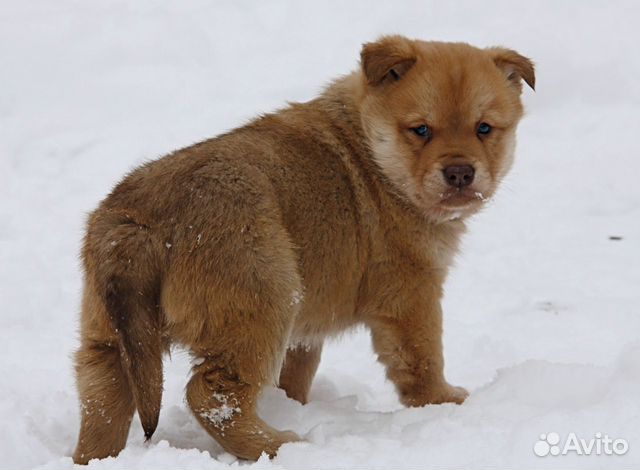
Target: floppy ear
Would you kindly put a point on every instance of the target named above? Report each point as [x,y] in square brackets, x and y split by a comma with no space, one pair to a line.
[514,66]
[387,59]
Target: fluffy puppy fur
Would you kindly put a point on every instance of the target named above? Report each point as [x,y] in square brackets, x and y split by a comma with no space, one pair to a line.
[250,248]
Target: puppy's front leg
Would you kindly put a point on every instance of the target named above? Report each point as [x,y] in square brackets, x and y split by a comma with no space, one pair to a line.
[409,344]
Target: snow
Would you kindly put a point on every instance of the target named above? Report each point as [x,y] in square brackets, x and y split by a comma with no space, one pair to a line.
[296,297]
[541,311]
[220,415]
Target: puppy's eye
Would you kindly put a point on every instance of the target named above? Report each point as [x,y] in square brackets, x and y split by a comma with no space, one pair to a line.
[422,131]
[483,128]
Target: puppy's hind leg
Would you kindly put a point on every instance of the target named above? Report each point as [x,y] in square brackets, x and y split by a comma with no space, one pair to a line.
[225,405]
[243,357]
[298,370]
[243,350]
[106,400]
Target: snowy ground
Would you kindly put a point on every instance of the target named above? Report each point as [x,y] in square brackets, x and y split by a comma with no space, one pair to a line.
[542,309]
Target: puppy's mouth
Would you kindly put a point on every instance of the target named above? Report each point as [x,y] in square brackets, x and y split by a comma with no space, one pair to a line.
[461,198]
[446,202]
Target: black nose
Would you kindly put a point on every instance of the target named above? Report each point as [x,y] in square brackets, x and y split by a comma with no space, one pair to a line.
[459,176]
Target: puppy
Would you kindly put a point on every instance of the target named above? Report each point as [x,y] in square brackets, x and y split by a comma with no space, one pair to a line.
[251,248]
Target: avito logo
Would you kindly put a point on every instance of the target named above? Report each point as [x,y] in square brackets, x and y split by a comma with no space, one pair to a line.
[600,444]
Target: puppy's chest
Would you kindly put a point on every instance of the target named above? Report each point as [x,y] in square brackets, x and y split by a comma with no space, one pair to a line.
[435,245]
[439,247]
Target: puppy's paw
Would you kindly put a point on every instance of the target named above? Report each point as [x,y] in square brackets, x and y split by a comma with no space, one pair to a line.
[278,438]
[436,395]
[453,394]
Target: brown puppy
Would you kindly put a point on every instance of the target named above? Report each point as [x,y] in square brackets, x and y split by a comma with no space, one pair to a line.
[251,248]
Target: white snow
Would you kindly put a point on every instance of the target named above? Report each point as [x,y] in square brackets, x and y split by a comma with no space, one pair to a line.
[221,415]
[296,297]
[480,196]
[542,320]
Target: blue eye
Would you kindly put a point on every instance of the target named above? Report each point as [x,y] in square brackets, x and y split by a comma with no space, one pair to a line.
[422,131]
[484,128]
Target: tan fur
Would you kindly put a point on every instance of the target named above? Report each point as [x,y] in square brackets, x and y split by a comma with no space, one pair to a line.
[251,248]
[298,370]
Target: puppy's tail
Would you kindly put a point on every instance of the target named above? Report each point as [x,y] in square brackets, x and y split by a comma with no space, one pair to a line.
[135,317]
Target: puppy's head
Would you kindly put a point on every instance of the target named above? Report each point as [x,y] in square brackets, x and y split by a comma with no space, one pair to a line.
[441,119]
